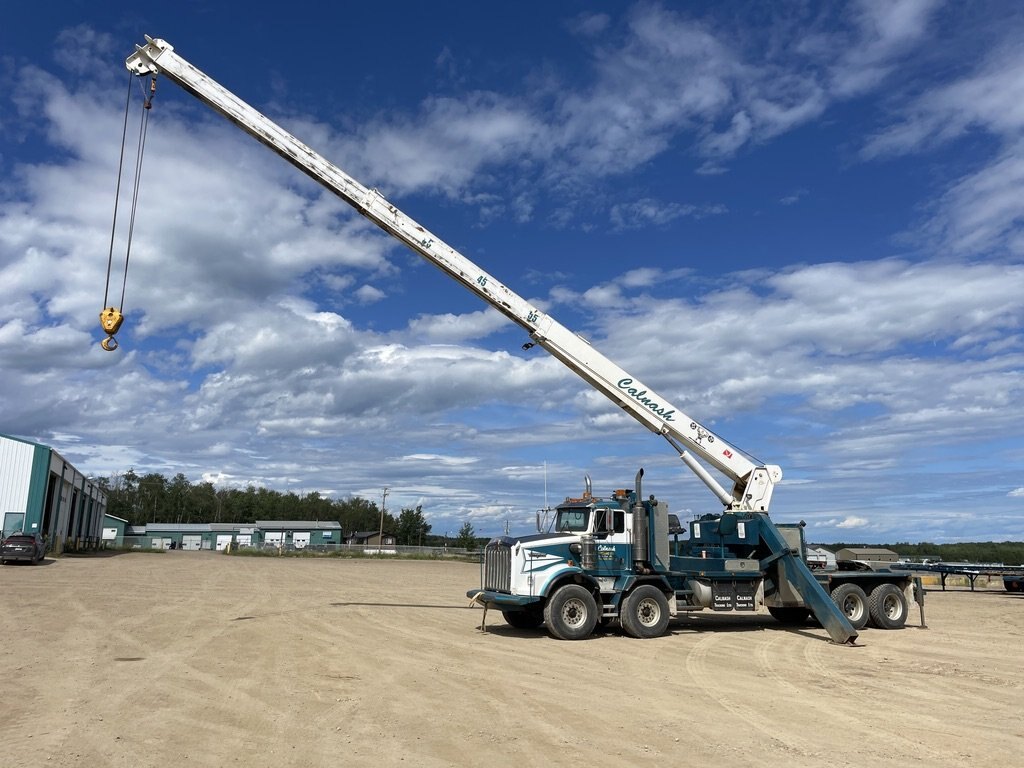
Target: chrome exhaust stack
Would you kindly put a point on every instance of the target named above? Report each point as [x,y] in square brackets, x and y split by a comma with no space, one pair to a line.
[640,548]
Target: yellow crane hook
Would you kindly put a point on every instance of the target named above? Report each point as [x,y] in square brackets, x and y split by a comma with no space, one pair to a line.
[110,321]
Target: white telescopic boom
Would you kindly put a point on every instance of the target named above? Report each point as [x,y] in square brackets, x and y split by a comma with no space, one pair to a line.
[753,483]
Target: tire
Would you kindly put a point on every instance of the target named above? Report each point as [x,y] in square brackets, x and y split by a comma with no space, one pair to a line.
[888,607]
[526,619]
[853,603]
[790,615]
[644,612]
[571,613]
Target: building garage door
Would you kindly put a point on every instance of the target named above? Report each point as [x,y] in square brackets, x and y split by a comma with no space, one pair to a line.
[301,539]
[192,542]
[223,539]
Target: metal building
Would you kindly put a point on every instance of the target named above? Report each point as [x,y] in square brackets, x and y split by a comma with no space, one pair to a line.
[41,492]
[278,534]
[299,534]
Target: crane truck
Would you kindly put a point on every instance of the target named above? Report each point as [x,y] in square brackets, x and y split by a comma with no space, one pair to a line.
[606,559]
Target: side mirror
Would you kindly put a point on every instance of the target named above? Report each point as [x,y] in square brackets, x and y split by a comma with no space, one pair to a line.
[727,525]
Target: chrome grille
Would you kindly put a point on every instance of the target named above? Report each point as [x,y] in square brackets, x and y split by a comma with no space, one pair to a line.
[498,567]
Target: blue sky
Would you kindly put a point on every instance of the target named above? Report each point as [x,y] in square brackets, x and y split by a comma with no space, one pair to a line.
[801,223]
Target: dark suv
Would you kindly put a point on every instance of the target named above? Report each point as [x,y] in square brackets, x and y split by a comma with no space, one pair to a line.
[28,547]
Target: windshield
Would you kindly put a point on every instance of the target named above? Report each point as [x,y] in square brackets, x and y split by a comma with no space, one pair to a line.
[572,519]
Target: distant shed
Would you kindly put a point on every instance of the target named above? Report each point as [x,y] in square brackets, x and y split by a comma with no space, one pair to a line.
[873,554]
[114,530]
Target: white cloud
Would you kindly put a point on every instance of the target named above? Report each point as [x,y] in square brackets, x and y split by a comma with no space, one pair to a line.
[989,97]
[983,212]
[979,211]
[1016,493]
[449,328]
[852,522]
[885,30]
[368,294]
[648,212]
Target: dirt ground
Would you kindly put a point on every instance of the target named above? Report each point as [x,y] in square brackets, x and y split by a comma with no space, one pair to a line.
[200,659]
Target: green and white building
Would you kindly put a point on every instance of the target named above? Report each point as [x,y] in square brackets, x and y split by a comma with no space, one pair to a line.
[41,492]
[278,534]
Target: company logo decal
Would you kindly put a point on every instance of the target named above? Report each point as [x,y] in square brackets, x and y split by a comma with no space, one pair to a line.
[640,395]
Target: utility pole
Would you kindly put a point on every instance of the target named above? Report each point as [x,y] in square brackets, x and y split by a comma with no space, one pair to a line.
[380,535]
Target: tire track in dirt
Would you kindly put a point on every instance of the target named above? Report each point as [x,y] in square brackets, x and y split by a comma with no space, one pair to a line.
[862,684]
[735,705]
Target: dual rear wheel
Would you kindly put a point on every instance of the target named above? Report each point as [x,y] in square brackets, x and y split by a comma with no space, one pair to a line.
[886,606]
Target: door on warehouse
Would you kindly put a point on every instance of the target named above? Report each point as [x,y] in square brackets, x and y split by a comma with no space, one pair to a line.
[191,542]
[223,539]
[300,539]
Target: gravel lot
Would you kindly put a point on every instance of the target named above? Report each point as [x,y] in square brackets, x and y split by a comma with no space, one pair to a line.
[200,659]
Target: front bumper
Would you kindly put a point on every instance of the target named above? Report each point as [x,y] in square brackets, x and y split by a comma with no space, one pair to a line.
[501,601]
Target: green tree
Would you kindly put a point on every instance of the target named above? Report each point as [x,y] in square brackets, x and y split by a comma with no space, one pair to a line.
[466,537]
[412,528]
[150,499]
[178,501]
[358,514]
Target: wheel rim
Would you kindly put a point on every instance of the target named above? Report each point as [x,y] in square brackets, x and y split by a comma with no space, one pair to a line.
[891,607]
[648,612]
[574,613]
[853,608]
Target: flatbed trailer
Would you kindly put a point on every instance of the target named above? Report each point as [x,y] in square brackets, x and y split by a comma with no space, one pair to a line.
[1012,575]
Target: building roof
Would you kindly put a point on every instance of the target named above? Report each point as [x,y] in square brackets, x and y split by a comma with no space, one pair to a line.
[177,527]
[21,440]
[302,525]
[867,553]
[246,527]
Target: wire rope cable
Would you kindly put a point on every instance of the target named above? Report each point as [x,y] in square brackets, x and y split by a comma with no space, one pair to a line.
[111,317]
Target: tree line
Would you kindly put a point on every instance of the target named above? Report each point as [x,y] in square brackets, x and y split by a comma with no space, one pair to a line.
[152,498]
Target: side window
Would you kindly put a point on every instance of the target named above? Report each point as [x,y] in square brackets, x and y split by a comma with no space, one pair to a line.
[620,521]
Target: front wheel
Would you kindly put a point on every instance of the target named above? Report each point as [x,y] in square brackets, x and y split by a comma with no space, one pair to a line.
[853,602]
[645,612]
[888,607]
[571,613]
